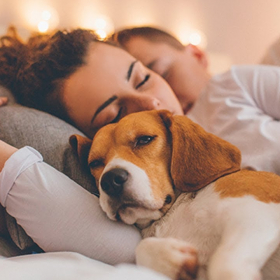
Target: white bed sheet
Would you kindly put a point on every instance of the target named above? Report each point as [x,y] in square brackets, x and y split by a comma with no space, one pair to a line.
[70,266]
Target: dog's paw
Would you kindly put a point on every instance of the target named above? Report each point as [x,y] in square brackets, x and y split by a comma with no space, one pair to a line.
[175,258]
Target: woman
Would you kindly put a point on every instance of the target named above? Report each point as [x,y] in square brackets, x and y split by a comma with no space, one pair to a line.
[89,84]
[81,80]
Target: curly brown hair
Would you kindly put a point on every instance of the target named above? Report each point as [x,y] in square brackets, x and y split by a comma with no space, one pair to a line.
[35,70]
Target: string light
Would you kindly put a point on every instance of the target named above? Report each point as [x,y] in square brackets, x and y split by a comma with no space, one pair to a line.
[39,17]
[46,15]
[48,20]
[101,24]
[101,34]
[45,18]
[195,39]
[193,36]
[43,26]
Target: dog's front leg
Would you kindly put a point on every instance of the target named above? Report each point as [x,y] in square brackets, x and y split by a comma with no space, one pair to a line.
[250,236]
[174,258]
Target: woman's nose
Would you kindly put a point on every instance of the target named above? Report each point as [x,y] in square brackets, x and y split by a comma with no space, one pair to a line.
[146,102]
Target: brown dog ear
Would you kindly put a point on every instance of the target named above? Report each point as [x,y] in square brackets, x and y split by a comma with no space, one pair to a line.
[82,146]
[198,157]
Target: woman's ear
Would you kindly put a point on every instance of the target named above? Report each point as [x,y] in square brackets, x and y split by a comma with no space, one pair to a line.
[198,157]
[81,145]
[199,54]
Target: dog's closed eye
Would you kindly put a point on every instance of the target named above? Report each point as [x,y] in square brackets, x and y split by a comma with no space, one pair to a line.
[96,163]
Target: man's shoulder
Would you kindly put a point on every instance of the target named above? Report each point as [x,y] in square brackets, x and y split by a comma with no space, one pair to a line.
[251,69]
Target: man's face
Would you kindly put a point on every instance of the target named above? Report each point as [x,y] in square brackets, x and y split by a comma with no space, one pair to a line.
[113,84]
[185,70]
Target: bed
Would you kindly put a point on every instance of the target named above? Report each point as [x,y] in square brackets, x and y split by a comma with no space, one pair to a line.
[21,126]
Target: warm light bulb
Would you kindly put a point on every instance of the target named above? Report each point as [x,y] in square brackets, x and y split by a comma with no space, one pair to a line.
[43,26]
[101,34]
[101,24]
[192,36]
[38,16]
[195,39]
[46,15]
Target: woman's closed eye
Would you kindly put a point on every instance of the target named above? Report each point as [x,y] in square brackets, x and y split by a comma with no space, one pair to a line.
[147,77]
[118,116]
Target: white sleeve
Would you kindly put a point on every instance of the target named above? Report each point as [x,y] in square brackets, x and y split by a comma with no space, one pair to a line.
[58,214]
[261,87]
[242,106]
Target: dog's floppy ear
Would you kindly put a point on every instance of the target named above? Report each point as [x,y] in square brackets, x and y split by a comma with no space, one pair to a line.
[198,157]
[82,146]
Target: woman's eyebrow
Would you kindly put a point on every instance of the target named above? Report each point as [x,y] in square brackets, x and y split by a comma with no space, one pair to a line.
[103,106]
[130,69]
[114,97]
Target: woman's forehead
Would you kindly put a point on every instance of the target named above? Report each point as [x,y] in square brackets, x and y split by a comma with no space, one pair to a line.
[100,51]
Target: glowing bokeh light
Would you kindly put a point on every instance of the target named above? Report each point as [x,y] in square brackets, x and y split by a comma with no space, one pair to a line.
[192,36]
[101,34]
[43,26]
[46,15]
[101,24]
[39,17]
[195,39]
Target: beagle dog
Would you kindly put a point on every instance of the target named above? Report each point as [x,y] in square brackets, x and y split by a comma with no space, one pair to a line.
[199,214]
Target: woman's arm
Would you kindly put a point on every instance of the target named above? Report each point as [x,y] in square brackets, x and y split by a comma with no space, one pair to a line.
[58,214]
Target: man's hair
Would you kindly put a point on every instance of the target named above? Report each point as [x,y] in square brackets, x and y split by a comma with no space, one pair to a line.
[35,70]
[149,33]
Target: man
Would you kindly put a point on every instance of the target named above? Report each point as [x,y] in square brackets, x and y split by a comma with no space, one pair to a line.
[241,105]
[183,67]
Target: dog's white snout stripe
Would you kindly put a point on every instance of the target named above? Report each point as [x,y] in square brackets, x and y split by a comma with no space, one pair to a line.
[137,187]
[138,184]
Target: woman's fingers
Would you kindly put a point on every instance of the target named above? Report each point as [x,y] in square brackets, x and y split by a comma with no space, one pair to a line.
[3,100]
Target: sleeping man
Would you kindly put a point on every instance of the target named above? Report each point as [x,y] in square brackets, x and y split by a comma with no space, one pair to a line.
[242,105]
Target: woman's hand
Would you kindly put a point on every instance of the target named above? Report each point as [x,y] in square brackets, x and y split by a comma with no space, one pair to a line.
[6,151]
[3,100]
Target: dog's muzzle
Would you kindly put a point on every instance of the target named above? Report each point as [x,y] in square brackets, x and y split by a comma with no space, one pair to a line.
[126,194]
[112,182]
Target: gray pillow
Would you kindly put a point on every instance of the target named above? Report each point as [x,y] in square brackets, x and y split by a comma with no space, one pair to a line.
[21,126]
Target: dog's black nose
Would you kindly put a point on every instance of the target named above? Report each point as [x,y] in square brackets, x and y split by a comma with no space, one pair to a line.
[112,182]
